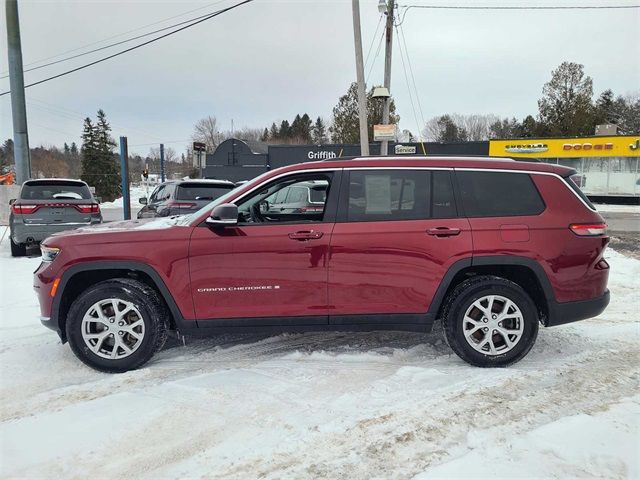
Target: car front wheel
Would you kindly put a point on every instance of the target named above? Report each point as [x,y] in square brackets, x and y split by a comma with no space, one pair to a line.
[490,321]
[117,325]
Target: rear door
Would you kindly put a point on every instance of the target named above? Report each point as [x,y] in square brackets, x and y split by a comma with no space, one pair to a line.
[396,235]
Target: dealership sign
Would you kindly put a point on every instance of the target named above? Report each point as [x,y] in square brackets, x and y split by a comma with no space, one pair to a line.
[321,155]
[384,133]
[527,148]
[587,146]
[405,150]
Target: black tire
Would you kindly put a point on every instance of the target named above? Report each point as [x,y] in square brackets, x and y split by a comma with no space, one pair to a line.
[153,312]
[17,249]
[461,299]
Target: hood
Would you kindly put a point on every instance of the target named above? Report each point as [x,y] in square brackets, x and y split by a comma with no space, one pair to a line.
[140,227]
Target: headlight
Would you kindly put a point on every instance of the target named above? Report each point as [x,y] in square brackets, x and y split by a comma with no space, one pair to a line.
[49,253]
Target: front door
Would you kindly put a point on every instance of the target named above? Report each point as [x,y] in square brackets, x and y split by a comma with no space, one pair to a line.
[271,264]
[396,235]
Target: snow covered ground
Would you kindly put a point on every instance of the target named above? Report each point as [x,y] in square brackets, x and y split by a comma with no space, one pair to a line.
[323,405]
[605,207]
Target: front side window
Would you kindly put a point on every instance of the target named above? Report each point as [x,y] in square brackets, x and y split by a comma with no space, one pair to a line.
[287,200]
[498,194]
[383,195]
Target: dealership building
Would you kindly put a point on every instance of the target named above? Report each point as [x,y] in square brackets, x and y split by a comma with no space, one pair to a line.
[609,166]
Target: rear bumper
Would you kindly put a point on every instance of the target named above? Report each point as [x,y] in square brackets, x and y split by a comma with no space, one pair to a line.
[25,233]
[568,312]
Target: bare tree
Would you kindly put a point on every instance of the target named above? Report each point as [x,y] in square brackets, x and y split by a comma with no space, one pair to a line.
[206,131]
[476,127]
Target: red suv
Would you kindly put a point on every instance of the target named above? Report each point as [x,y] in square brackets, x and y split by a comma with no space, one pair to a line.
[490,246]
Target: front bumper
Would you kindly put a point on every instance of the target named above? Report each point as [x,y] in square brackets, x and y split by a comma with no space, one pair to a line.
[50,324]
[567,312]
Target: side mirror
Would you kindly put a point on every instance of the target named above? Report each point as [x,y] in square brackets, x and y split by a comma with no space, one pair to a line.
[142,200]
[223,215]
[12,201]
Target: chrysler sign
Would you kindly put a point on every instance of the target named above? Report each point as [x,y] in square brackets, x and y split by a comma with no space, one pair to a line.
[527,148]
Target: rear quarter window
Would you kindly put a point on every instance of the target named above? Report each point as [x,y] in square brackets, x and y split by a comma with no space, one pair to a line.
[499,194]
[55,191]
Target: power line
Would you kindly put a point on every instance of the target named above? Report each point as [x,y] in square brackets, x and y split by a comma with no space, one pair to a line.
[123,33]
[413,79]
[406,77]
[373,62]
[208,17]
[110,45]
[373,39]
[522,7]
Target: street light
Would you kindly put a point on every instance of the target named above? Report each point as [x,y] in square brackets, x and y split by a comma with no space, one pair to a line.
[382,6]
[381,92]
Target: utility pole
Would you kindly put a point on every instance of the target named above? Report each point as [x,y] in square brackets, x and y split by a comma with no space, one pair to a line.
[362,99]
[21,152]
[388,44]
[162,162]
[124,174]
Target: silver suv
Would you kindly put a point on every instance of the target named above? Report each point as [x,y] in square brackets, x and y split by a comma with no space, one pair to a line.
[48,206]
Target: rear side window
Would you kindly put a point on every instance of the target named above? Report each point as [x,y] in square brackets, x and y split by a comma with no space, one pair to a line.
[55,191]
[576,181]
[379,195]
[498,194]
[194,191]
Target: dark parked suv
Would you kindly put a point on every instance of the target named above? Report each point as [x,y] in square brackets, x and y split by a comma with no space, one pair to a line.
[491,247]
[48,206]
[182,197]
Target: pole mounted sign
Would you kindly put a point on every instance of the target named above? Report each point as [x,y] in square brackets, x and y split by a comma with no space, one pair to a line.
[199,147]
[384,132]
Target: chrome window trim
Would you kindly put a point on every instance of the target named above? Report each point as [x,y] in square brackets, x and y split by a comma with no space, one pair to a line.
[462,169]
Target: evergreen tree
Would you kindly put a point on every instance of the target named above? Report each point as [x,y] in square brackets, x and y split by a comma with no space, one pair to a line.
[285,130]
[273,132]
[305,127]
[99,161]
[565,108]
[67,150]
[319,132]
[346,126]
[265,135]
[74,149]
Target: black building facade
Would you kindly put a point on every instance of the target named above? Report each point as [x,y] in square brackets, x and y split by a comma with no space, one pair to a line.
[238,160]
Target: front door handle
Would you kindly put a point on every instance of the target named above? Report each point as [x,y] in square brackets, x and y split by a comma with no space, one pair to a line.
[305,235]
[443,231]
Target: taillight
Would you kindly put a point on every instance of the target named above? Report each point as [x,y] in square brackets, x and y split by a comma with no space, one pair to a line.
[589,229]
[22,209]
[181,205]
[88,208]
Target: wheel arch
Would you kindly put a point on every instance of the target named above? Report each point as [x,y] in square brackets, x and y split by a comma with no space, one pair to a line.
[524,271]
[79,277]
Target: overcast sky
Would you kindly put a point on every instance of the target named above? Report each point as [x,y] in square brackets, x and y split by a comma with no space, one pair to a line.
[268,60]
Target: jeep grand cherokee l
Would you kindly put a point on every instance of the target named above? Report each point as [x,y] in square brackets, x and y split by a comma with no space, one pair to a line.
[491,247]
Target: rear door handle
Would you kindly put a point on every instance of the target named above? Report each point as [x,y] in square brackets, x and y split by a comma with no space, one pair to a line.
[305,235]
[443,231]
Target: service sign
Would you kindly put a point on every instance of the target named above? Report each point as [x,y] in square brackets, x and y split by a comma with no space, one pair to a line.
[405,149]
[384,132]
[600,146]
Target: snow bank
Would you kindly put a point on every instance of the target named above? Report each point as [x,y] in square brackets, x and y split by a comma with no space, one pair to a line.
[134,194]
[322,405]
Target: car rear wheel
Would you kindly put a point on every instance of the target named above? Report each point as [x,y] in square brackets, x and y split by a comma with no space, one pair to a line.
[17,249]
[117,325]
[490,321]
